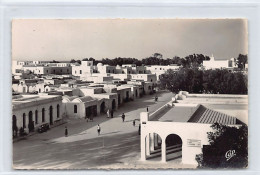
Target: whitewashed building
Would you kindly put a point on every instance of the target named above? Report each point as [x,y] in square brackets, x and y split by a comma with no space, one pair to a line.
[31,111]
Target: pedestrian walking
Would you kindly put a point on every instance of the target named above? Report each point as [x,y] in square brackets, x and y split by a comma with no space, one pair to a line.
[134,122]
[156,98]
[147,109]
[108,113]
[66,131]
[112,114]
[98,129]
[123,117]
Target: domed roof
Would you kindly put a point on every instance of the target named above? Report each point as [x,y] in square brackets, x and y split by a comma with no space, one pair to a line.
[83,99]
[99,64]
[67,98]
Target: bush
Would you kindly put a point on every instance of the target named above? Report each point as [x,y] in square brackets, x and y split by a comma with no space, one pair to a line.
[228,148]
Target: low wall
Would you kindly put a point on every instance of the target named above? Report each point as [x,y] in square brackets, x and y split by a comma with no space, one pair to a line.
[160,110]
[185,104]
[188,95]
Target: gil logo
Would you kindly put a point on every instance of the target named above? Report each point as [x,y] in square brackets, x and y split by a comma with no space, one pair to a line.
[229,154]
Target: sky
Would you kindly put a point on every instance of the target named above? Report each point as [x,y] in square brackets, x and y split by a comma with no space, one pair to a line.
[66,39]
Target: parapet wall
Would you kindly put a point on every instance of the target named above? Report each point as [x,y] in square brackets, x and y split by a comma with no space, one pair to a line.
[162,109]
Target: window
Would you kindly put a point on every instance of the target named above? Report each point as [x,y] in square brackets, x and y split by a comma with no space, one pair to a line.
[151,80]
[61,70]
[75,72]
[47,71]
[75,109]
[67,70]
[58,111]
[36,117]
[160,68]
[80,71]
[43,115]
[24,120]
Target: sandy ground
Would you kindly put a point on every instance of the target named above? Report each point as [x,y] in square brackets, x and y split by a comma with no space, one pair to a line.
[117,146]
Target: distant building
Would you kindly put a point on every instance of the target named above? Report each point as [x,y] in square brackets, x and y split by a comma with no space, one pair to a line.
[158,70]
[84,70]
[219,64]
[46,70]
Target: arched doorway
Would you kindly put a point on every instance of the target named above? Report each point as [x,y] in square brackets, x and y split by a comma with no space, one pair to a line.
[113,104]
[58,111]
[119,100]
[173,147]
[31,122]
[14,126]
[153,143]
[24,120]
[88,111]
[102,107]
[43,115]
[94,110]
[51,115]
[36,117]
[127,96]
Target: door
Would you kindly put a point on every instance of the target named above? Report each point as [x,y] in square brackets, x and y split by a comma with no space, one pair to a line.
[51,115]
[31,122]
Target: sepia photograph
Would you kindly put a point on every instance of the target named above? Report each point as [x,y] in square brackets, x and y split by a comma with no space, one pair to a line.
[116,94]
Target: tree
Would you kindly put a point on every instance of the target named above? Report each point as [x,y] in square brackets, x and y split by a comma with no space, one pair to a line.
[228,148]
[78,61]
[72,61]
[194,80]
[54,61]
[241,61]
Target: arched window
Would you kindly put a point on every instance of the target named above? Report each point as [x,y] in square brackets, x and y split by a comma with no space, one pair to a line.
[58,111]
[43,115]
[75,109]
[24,120]
[36,117]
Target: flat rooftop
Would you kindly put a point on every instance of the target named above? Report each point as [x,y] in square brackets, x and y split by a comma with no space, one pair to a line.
[32,100]
[178,114]
[209,108]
